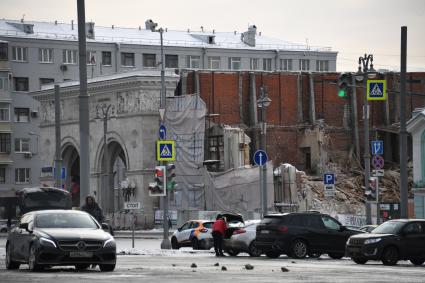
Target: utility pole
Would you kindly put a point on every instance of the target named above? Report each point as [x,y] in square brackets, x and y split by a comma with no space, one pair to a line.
[403,132]
[83,105]
[58,157]
[364,72]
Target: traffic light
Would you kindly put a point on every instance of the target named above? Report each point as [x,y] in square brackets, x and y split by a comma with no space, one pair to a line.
[372,191]
[171,184]
[343,82]
[158,188]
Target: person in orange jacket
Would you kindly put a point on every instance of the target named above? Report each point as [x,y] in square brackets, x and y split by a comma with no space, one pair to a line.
[219,228]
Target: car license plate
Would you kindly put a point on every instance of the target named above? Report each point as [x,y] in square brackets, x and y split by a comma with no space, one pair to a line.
[265,231]
[80,254]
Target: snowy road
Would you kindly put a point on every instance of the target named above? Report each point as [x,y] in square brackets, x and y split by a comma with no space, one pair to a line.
[152,264]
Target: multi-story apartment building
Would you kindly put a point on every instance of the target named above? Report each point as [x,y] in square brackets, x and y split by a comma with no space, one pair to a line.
[19,132]
[42,53]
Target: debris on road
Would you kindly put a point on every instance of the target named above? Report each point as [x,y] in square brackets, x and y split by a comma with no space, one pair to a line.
[223,268]
[284,269]
[249,266]
[194,265]
[216,264]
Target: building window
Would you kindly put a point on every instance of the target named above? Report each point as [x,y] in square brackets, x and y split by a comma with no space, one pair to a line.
[45,81]
[267,64]
[4,113]
[4,83]
[3,51]
[22,175]
[214,62]
[19,54]
[2,175]
[254,64]
[106,58]
[322,65]
[286,64]
[172,61]
[45,55]
[22,115]
[149,60]
[70,56]
[234,63]
[91,58]
[22,145]
[304,65]
[4,143]
[194,62]
[21,84]
[127,59]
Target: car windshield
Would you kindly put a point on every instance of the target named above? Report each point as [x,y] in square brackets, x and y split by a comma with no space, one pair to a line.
[390,227]
[64,220]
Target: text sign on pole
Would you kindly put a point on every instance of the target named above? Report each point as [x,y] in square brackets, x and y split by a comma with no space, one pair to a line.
[376,89]
[132,205]
[377,147]
[260,157]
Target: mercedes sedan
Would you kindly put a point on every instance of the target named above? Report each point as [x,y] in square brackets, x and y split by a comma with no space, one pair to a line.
[60,237]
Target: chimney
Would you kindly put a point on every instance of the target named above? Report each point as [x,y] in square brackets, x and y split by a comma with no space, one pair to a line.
[90,30]
[248,37]
[72,24]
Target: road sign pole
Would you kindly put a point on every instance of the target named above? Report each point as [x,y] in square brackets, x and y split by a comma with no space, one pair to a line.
[378,208]
[132,226]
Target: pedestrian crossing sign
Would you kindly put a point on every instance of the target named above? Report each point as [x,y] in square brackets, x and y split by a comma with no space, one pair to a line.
[376,90]
[165,150]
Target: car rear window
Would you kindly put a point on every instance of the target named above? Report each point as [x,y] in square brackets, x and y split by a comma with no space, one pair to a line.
[272,220]
[208,224]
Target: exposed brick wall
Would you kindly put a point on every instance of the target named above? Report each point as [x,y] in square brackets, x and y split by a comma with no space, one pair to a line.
[220,91]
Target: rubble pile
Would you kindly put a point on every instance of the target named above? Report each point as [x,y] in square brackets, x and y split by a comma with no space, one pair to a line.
[349,186]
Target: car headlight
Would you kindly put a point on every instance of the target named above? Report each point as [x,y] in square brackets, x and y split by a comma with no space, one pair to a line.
[47,242]
[372,241]
[109,242]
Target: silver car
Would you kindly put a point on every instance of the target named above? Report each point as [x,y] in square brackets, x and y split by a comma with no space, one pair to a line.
[242,239]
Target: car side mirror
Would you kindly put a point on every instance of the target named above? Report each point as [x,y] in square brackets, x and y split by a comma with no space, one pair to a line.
[105,227]
[24,226]
[342,228]
[179,229]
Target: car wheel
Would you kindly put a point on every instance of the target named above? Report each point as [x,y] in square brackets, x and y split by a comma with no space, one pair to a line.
[10,264]
[195,244]
[174,244]
[359,260]
[314,255]
[82,266]
[336,255]
[232,252]
[390,256]
[417,261]
[299,249]
[32,260]
[253,250]
[107,267]
[272,254]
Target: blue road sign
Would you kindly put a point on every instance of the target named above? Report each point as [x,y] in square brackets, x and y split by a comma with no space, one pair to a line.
[329,179]
[377,147]
[260,157]
[162,132]
[63,173]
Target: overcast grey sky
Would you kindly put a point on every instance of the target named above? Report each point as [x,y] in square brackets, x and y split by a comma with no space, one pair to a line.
[351,27]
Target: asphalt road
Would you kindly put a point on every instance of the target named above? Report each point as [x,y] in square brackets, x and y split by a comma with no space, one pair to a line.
[148,264]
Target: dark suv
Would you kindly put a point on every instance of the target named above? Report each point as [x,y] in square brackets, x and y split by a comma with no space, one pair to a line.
[302,234]
[390,242]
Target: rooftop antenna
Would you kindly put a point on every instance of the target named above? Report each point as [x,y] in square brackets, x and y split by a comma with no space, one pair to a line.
[202,28]
[307,46]
[23,17]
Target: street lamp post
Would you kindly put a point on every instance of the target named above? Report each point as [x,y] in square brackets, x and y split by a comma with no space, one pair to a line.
[106,112]
[165,244]
[263,102]
[364,72]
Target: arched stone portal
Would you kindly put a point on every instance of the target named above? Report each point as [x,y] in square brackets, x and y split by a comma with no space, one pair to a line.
[110,193]
[71,162]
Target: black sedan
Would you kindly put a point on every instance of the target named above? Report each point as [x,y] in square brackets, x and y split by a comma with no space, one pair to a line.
[390,242]
[60,237]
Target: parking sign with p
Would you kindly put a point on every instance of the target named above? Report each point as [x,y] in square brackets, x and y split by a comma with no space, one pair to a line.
[329,179]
